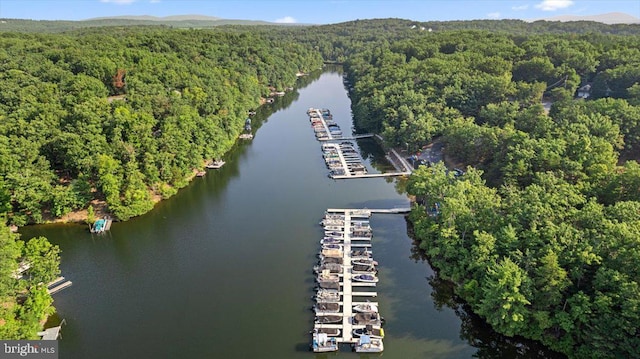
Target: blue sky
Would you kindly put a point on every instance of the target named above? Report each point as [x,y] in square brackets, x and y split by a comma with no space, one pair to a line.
[315,11]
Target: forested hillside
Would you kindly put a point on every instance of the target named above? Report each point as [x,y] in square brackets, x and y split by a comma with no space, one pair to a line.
[541,235]
[184,96]
[26,303]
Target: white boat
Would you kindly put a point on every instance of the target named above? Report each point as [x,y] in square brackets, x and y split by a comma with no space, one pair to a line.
[326,276]
[332,332]
[338,228]
[366,308]
[367,319]
[332,222]
[215,164]
[331,240]
[367,278]
[373,332]
[331,252]
[326,307]
[333,246]
[331,260]
[364,262]
[327,295]
[367,269]
[322,343]
[367,344]
[361,254]
[331,267]
[328,319]
[334,234]
[329,285]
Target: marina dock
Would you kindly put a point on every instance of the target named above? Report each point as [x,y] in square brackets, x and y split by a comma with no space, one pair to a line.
[352,292]
[342,159]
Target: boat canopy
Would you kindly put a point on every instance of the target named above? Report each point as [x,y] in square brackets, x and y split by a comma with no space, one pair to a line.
[365,339]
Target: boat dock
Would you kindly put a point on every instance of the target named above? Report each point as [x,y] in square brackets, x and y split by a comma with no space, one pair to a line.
[354,137]
[102,225]
[350,284]
[342,159]
[54,286]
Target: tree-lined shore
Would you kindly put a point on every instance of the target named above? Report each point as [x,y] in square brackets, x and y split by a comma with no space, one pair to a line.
[540,236]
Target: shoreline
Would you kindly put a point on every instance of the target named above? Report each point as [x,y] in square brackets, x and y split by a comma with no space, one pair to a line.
[100,206]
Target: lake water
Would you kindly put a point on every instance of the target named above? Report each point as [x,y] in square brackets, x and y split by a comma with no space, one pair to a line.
[224,268]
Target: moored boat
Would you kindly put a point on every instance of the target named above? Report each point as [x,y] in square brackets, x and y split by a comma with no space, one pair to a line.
[332,246]
[367,278]
[321,343]
[329,285]
[373,332]
[361,254]
[327,295]
[331,267]
[326,307]
[364,262]
[328,319]
[331,252]
[326,260]
[330,240]
[332,332]
[365,308]
[364,269]
[367,319]
[215,164]
[326,276]
[101,225]
[367,344]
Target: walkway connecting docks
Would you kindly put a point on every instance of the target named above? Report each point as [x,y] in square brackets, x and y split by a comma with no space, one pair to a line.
[342,159]
[346,278]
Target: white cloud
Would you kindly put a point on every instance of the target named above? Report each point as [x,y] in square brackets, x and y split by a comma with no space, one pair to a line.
[553,5]
[286,20]
[520,8]
[118,1]
[493,15]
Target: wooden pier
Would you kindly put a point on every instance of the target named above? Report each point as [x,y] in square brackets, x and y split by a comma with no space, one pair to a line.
[53,287]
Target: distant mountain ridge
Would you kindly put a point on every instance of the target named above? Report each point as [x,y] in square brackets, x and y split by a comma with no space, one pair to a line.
[188,17]
[608,18]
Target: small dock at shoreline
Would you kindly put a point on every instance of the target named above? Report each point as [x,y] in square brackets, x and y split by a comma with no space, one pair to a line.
[102,225]
[57,285]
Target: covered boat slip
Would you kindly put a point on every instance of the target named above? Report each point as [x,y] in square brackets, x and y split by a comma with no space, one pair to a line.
[352,295]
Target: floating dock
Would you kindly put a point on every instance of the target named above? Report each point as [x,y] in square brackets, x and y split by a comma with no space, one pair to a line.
[349,288]
[59,287]
[102,225]
[342,159]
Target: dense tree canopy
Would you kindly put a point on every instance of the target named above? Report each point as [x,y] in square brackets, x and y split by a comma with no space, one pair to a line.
[539,237]
[66,137]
